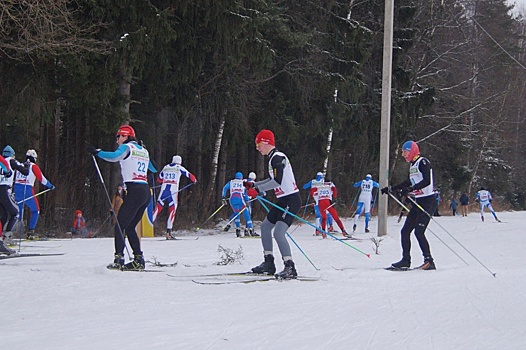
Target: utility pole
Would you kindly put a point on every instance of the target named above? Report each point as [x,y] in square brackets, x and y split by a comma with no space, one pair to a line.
[386,115]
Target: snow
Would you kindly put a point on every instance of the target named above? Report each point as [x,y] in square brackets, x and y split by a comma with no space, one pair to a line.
[74,302]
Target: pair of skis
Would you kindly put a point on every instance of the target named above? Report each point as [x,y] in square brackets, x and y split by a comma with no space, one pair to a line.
[26,255]
[239,278]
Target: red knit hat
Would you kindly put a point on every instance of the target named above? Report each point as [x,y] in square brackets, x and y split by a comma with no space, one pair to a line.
[266,137]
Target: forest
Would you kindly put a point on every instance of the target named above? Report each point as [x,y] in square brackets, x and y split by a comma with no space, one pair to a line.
[200,78]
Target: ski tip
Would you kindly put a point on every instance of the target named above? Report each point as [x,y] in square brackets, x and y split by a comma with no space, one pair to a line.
[368,255]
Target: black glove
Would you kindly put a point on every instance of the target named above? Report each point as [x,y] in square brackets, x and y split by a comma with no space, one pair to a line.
[6,173]
[92,150]
[385,190]
[406,190]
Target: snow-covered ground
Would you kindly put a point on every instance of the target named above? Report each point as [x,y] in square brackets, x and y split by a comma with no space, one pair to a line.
[74,302]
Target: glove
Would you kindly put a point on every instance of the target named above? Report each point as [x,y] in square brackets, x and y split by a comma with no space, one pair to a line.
[7,173]
[92,150]
[385,190]
[406,190]
[491,200]
[51,187]
[224,200]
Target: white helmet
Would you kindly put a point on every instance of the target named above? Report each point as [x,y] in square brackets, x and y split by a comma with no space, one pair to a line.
[252,176]
[31,153]
[177,160]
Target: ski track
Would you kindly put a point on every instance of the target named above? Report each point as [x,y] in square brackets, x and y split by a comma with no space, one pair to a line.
[73,301]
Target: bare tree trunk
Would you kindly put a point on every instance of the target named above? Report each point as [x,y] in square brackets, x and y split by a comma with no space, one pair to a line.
[215,162]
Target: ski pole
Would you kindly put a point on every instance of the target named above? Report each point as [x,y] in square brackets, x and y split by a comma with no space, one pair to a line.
[434,234]
[306,204]
[109,201]
[33,196]
[172,193]
[450,235]
[211,216]
[293,241]
[319,229]
[245,207]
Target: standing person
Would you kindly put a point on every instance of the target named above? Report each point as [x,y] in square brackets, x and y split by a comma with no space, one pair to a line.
[438,199]
[420,183]
[283,183]
[170,178]
[464,203]
[238,202]
[326,191]
[25,192]
[484,198]
[116,202]
[364,201]
[8,206]
[453,206]
[135,162]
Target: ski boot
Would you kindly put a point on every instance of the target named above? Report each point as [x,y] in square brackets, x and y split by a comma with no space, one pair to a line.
[32,236]
[482,218]
[8,238]
[403,264]
[267,267]
[345,234]
[289,272]
[226,228]
[331,229]
[254,233]
[137,264]
[5,250]
[367,230]
[169,235]
[429,264]
[238,232]
[118,262]
[354,228]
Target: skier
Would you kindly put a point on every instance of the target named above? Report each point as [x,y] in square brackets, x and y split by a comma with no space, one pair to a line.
[8,207]
[364,201]
[25,192]
[484,198]
[170,178]
[326,191]
[135,162]
[464,203]
[238,202]
[5,173]
[319,179]
[420,183]
[283,183]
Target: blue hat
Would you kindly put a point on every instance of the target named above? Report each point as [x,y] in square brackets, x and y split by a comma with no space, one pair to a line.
[239,175]
[319,176]
[8,151]
[368,177]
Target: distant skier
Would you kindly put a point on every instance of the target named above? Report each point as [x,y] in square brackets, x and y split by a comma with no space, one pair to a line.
[484,198]
[170,178]
[8,207]
[238,202]
[319,179]
[326,192]
[364,201]
[25,192]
